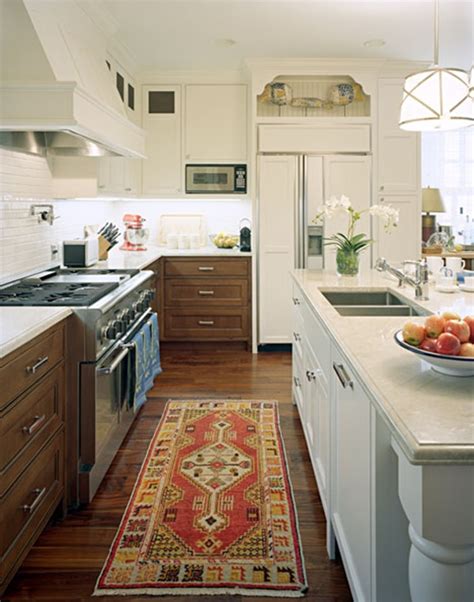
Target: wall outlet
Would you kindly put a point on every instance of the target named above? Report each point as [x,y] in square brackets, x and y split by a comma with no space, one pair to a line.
[54,251]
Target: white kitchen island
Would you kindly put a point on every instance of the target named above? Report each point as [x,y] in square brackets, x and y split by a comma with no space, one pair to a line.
[391,442]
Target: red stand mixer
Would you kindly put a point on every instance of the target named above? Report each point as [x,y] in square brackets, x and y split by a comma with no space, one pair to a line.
[135,234]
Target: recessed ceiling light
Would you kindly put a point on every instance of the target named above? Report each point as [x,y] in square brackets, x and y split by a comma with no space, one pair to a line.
[225,42]
[374,43]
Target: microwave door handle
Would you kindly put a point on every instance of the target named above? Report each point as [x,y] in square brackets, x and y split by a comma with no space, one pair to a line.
[116,362]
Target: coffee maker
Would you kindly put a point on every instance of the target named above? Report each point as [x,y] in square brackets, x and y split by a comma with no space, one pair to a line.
[245,235]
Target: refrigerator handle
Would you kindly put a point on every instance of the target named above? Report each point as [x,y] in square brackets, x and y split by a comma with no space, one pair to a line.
[300,242]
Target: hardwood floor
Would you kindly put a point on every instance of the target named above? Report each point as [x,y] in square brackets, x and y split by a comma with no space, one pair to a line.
[65,562]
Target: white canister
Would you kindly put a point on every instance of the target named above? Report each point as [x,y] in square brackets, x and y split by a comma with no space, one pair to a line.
[183,241]
[194,241]
[172,241]
[455,263]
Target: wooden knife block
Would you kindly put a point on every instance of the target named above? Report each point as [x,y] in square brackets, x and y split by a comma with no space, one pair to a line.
[104,247]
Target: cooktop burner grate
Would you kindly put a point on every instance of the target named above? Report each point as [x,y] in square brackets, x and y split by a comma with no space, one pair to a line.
[51,293]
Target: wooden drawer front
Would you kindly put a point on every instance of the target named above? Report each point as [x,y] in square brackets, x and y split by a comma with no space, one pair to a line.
[199,324]
[208,267]
[29,502]
[24,369]
[206,292]
[28,423]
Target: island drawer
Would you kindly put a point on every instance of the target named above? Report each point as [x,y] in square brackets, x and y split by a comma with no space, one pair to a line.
[28,423]
[23,369]
[207,267]
[27,506]
[200,324]
[206,292]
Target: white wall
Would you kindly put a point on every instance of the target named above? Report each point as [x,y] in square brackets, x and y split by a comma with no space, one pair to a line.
[25,245]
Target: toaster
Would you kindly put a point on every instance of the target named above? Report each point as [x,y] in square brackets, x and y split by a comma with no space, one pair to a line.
[80,253]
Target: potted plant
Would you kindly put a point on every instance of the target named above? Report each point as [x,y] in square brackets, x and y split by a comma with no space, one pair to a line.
[350,245]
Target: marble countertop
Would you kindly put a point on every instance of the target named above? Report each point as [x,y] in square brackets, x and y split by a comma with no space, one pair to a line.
[19,325]
[140,259]
[430,415]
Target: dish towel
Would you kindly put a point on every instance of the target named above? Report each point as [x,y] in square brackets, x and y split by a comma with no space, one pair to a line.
[153,363]
[138,355]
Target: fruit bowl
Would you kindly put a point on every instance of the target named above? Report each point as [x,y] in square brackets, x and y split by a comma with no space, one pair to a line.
[453,365]
[224,241]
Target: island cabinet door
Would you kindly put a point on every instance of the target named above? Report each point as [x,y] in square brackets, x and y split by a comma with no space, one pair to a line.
[351,498]
[317,419]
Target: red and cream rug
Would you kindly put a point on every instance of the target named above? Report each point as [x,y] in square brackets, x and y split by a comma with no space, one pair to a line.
[212,510]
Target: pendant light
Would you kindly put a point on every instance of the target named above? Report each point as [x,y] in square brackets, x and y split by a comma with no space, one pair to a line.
[438,98]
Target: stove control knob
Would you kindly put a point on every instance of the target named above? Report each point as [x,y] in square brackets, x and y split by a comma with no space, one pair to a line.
[132,314]
[128,316]
[111,330]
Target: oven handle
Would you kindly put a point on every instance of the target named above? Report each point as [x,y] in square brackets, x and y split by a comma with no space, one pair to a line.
[117,361]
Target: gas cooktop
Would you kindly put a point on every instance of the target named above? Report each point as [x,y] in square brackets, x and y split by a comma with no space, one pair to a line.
[54,293]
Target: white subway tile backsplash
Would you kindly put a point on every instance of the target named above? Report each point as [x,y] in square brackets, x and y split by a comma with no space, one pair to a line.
[25,244]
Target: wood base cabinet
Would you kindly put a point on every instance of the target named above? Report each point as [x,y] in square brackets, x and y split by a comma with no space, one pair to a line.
[32,449]
[207,299]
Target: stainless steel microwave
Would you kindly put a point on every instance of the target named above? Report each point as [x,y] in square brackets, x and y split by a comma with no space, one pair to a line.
[216,179]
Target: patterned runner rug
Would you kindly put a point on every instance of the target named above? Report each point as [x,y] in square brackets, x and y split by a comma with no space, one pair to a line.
[212,511]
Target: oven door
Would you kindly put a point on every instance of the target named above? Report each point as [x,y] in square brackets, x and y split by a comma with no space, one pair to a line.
[113,377]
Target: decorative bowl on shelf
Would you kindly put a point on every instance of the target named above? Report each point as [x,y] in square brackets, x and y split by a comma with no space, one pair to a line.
[224,241]
[452,365]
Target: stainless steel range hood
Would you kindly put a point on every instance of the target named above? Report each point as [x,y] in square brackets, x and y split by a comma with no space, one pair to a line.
[57,97]
[54,144]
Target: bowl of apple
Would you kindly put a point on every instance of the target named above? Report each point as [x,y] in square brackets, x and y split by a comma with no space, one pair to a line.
[445,341]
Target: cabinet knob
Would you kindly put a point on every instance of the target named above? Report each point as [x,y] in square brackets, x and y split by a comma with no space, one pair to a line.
[382,187]
[296,301]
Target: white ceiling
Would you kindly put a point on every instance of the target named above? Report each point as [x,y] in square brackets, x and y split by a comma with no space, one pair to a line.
[182,34]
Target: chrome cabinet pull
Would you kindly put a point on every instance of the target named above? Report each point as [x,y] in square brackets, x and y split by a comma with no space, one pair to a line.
[41,361]
[30,508]
[296,336]
[205,268]
[342,375]
[206,292]
[128,190]
[206,322]
[38,420]
[297,382]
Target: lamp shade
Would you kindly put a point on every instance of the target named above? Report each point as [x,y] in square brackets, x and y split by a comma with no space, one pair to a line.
[437,99]
[431,201]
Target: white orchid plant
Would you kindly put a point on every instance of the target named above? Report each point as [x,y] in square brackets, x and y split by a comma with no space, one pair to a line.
[352,242]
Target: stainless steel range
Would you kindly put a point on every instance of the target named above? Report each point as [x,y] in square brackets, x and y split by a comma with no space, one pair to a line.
[109,307]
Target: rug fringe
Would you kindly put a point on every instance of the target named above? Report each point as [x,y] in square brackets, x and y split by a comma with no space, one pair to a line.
[201,591]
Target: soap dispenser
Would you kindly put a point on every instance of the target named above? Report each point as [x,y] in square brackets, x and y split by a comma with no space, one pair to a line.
[245,235]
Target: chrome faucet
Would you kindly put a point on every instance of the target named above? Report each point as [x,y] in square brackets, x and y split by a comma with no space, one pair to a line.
[419,283]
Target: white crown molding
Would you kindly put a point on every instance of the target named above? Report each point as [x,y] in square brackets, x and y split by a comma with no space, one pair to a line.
[220,76]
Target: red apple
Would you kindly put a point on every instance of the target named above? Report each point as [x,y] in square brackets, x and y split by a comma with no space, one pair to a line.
[434,326]
[448,344]
[413,333]
[467,350]
[450,315]
[429,345]
[470,321]
[459,328]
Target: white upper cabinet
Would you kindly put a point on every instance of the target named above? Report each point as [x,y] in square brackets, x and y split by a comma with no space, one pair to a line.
[398,151]
[162,169]
[118,176]
[398,177]
[215,124]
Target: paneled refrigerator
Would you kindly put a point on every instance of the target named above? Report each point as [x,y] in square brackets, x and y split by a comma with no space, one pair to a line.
[291,188]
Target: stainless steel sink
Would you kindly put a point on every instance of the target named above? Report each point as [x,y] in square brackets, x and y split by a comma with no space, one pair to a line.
[371,303]
[362,298]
